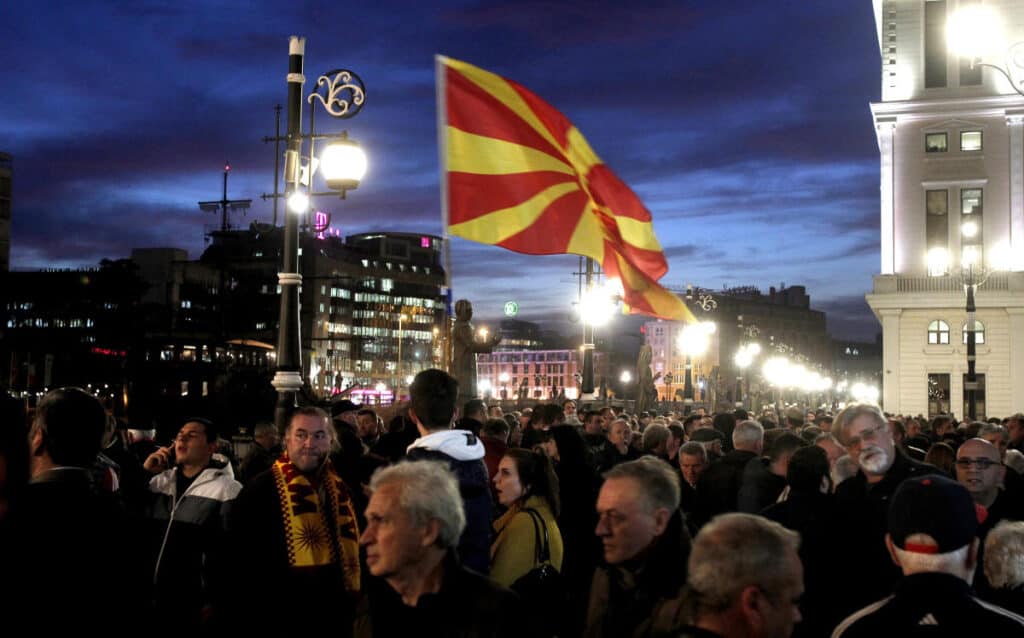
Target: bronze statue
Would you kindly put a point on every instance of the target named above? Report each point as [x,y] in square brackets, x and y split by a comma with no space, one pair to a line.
[465,348]
[646,392]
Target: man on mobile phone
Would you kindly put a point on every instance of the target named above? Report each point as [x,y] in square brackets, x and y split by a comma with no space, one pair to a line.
[189,500]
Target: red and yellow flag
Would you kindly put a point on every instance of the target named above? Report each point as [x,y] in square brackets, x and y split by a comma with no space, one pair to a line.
[519,175]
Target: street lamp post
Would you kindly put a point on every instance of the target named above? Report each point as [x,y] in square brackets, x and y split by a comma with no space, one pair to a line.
[343,165]
[596,307]
[744,357]
[693,341]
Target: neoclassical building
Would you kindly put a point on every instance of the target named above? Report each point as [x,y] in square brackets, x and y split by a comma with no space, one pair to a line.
[951,145]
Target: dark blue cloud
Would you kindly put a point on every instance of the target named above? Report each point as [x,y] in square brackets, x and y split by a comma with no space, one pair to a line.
[743,125]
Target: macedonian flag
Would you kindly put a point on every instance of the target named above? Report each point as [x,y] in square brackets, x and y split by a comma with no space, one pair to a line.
[519,175]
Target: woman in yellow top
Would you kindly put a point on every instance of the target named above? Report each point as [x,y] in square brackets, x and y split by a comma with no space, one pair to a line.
[524,479]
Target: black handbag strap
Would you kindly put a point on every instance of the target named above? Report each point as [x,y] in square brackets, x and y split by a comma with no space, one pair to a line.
[543,551]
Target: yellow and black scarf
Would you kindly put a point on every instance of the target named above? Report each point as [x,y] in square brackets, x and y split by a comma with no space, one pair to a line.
[310,542]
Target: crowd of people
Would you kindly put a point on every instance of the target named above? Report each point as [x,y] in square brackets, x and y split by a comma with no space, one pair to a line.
[460,519]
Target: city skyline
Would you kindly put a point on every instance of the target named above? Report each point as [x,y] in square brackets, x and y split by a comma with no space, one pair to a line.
[745,129]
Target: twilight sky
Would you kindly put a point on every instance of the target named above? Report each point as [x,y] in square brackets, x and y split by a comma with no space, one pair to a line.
[744,126]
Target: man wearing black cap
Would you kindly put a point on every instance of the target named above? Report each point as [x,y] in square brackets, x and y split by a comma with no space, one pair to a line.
[932,538]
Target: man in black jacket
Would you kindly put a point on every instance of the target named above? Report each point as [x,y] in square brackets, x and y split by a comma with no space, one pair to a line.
[295,526]
[638,591]
[744,580]
[862,501]
[719,487]
[932,538]
[59,579]
[414,521]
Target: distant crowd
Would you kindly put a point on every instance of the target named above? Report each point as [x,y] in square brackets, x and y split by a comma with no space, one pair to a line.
[459,519]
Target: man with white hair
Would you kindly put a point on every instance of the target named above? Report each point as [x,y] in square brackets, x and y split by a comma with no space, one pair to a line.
[863,499]
[1004,568]
[744,579]
[719,487]
[413,524]
[932,539]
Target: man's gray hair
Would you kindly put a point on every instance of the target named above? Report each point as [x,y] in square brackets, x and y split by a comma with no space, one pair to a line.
[747,434]
[1015,461]
[654,435]
[1004,555]
[735,551]
[850,413]
[263,429]
[827,436]
[994,428]
[694,448]
[427,490]
[658,482]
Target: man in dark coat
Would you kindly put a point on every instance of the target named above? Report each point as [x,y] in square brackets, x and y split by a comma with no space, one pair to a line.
[931,536]
[719,487]
[764,478]
[744,580]
[638,590]
[295,526]
[862,501]
[59,578]
[418,587]
[262,454]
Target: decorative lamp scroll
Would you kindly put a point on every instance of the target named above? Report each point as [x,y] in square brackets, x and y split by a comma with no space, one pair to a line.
[344,93]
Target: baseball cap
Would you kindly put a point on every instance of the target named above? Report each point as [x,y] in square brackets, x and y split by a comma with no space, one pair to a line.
[706,435]
[936,506]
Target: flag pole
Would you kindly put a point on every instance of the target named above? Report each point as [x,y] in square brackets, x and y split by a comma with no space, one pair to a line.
[442,156]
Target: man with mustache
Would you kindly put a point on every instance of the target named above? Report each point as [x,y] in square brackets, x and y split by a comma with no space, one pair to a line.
[863,499]
[295,526]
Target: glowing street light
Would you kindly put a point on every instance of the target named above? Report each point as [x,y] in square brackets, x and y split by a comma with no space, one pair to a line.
[343,97]
[693,340]
[974,32]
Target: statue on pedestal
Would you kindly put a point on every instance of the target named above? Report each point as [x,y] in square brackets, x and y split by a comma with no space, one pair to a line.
[465,348]
[646,392]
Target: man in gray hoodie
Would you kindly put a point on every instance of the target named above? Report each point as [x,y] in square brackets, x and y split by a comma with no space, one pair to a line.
[433,396]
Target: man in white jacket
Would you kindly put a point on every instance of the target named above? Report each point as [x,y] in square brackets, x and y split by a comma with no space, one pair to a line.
[187,511]
[433,395]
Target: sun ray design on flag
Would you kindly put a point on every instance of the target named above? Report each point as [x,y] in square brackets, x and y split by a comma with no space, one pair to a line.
[519,175]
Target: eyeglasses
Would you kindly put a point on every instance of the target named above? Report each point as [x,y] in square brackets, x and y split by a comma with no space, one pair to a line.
[302,435]
[981,464]
[869,434]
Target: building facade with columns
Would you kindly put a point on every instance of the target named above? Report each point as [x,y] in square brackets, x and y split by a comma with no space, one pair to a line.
[951,145]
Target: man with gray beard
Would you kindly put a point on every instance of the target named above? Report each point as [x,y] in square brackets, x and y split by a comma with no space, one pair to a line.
[863,500]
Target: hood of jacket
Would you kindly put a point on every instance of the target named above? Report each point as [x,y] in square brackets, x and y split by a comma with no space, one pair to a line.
[460,445]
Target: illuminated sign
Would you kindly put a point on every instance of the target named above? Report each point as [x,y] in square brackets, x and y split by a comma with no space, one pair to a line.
[511,309]
[107,352]
[322,226]
[424,242]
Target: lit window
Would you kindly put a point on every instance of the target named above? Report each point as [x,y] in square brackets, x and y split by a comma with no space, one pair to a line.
[970,201]
[938,332]
[936,143]
[979,332]
[970,140]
